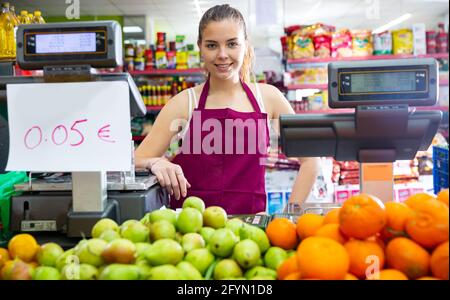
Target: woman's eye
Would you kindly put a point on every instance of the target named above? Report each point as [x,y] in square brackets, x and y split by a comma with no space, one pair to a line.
[232,44]
[210,46]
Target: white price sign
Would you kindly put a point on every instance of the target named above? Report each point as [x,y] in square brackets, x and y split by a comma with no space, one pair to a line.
[81,126]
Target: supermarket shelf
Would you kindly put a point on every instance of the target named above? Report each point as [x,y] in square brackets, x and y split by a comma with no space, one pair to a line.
[171,72]
[371,57]
[351,110]
[319,86]
[138,138]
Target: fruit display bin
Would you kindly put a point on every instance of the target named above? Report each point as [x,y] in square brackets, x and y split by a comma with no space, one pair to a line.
[440,168]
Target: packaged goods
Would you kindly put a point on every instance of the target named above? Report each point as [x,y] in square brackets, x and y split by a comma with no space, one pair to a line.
[179,42]
[419,42]
[362,43]
[149,59]
[431,41]
[129,64]
[171,60]
[341,43]
[161,60]
[8,27]
[382,43]
[139,64]
[160,41]
[193,57]
[182,60]
[402,41]
[129,50]
[442,40]
[302,46]
[37,18]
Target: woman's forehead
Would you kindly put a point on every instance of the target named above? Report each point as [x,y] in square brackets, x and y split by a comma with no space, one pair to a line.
[223,30]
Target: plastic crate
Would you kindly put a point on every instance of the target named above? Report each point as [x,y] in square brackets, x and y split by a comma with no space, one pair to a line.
[440,168]
[7,182]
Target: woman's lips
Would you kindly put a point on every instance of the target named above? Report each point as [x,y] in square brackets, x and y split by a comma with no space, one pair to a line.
[223,67]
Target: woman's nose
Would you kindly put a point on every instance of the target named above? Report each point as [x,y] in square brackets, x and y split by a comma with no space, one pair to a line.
[222,53]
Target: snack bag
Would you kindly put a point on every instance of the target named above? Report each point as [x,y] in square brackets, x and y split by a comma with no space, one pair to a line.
[382,43]
[302,46]
[322,40]
[403,41]
[362,43]
[341,43]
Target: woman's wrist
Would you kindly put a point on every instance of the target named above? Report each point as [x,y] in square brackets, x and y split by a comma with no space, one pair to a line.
[153,161]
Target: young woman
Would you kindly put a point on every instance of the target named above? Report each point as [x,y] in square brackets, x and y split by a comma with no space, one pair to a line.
[225,141]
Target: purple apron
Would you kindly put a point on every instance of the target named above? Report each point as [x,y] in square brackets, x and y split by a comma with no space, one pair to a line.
[229,171]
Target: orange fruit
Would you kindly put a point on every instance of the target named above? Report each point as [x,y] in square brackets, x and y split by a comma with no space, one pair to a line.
[293,276]
[428,224]
[23,246]
[322,258]
[364,256]
[439,261]
[362,216]
[282,233]
[332,216]
[289,266]
[408,257]
[388,274]
[308,224]
[4,256]
[418,198]
[332,231]
[397,214]
[350,277]
[443,196]
[427,278]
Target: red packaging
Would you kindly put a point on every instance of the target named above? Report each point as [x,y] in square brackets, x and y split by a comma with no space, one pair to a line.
[149,59]
[431,42]
[350,174]
[349,165]
[322,45]
[341,44]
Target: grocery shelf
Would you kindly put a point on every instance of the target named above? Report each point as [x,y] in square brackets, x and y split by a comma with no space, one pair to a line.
[320,86]
[171,72]
[154,107]
[371,57]
[351,110]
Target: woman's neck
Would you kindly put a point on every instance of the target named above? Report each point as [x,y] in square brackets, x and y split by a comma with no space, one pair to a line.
[228,86]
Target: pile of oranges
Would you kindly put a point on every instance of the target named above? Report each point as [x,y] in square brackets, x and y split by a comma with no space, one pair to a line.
[368,239]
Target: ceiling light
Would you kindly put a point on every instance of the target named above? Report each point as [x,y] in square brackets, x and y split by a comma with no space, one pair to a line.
[392,23]
[132,29]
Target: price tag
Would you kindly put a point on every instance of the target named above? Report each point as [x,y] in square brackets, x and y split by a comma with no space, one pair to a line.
[80,126]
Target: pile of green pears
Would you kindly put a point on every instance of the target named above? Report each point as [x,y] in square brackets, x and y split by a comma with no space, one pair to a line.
[194,243]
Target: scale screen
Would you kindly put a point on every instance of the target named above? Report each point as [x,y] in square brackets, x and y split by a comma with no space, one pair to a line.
[383,82]
[65,43]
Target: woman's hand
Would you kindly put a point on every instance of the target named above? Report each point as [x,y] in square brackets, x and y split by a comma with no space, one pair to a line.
[170,176]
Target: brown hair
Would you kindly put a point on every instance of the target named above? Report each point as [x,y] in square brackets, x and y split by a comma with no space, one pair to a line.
[222,12]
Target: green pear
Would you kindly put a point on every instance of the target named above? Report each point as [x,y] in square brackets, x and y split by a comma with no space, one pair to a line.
[162,229]
[274,257]
[120,272]
[201,259]
[144,271]
[206,233]
[215,217]
[227,268]
[164,251]
[79,272]
[262,277]
[222,242]
[257,235]
[247,253]
[189,220]
[189,271]
[48,253]
[141,248]
[121,251]
[235,225]
[135,231]
[163,214]
[109,235]
[46,273]
[166,272]
[194,202]
[191,241]
[102,225]
[90,252]
[260,271]
[67,257]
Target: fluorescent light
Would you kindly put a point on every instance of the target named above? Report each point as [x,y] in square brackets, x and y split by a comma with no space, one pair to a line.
[199,10]
[132,29]
[392,23]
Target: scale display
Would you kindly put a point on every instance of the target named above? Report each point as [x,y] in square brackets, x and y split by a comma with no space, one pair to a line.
[65,43]
[397,81]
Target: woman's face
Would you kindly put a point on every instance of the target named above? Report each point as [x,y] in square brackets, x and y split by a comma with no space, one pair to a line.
[223,48]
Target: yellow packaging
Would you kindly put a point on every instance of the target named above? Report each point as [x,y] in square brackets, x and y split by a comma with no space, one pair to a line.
[402,41]
[182,60]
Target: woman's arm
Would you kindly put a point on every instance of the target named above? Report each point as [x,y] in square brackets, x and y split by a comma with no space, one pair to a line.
[277,105]
[150,152]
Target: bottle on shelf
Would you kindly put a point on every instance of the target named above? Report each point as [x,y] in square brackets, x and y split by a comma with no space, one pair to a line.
[37,18]
[8,27]
[13,12]
[24,17]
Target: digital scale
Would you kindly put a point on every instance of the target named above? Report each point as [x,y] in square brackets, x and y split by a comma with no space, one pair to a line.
[385,126]
[70,204]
